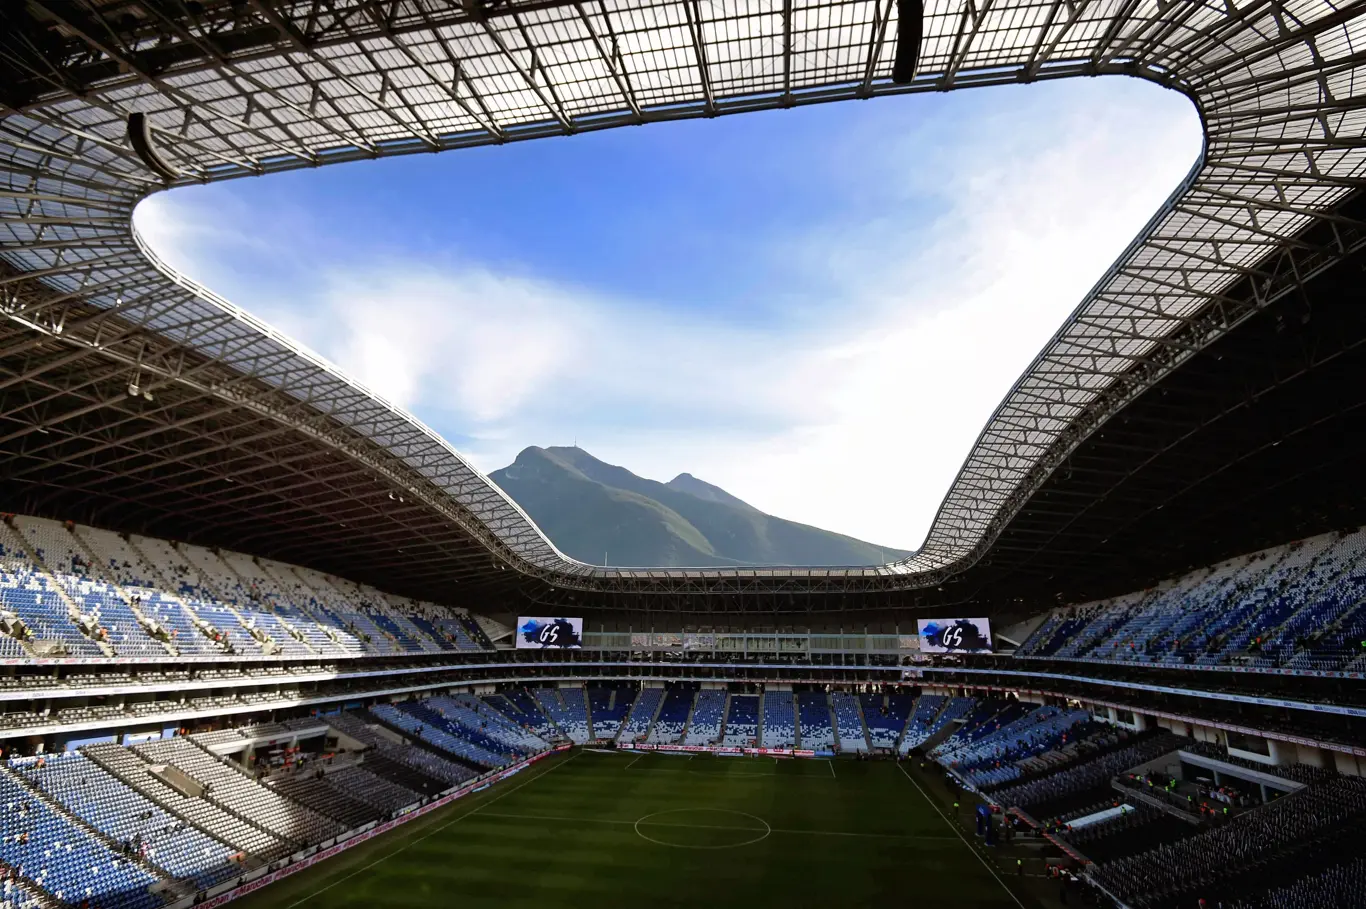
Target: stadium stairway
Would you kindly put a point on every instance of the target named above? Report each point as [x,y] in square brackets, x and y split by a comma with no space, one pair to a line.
[588,715]
[64,622]
[759,722]
[23,892]
[234,789]
[725,714]
[76,546]
[654,718]
[863,721]
[136,772]
[91,831]
[687,723]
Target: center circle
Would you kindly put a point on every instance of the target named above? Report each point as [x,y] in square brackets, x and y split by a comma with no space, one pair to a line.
[699,828]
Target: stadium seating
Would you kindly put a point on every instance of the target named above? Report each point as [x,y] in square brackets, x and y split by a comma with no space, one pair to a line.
[141,774]
[849,728]
[813,711]
[232,788]
[126,817]
[320,792]
[993,759]
[85,592]
[1201,864]
[642,715]
[707,713]
[414,719]
[1045,794]
[66,859]
[780,720]
[1342,884]
[932,715]
[361,784]
[742,721]
[566,707]
[1301,606]
[415,768]
[608,707]
[520,707]
[673,717]
[497,726]
[885,716]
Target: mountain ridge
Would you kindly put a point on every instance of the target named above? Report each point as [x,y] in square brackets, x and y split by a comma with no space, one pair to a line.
[604,514]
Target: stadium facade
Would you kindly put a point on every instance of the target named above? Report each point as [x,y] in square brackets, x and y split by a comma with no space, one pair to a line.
[1161,516]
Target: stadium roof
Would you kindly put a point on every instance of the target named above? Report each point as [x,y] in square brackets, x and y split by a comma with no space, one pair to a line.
[132,398]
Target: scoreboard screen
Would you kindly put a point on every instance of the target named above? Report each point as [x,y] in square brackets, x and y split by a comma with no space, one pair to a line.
[954,635]
[544,633]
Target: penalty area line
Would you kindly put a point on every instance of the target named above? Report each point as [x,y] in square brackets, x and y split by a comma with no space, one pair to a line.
[430,833]
[954,826]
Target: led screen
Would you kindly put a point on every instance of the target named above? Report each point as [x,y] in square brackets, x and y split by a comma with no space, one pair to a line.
[543,633]
[954,635]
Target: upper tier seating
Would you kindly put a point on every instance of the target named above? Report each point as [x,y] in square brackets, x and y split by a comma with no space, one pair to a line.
[1299,606]
[813,711]
[707,712]
[85,592]
[780,720]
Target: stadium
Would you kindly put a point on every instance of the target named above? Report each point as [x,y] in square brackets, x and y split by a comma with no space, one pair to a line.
[268,638]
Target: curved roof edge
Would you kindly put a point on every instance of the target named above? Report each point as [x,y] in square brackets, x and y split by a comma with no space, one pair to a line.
[1274,84]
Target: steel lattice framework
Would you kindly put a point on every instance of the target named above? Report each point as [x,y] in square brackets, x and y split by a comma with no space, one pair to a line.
[231,89]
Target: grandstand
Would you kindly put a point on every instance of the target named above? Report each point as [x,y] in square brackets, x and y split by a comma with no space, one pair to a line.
[254,617]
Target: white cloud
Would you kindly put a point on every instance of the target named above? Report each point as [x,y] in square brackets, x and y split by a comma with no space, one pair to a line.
[853,408]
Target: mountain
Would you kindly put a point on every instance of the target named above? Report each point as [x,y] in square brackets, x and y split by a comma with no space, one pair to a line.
[603,514]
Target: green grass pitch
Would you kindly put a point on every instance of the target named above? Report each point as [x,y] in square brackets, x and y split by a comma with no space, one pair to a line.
[620,830]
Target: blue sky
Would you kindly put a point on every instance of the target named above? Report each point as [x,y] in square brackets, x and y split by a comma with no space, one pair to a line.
[816,309]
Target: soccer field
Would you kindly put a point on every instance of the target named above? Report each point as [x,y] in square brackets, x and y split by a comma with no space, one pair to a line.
[619,830]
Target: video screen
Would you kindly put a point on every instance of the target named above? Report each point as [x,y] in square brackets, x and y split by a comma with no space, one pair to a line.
[954,635]
[543,633]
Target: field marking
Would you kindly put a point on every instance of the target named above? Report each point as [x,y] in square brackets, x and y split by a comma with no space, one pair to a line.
[954,826]
[831,764]
[431,833]
[630,765]
[791,831]
[768,830]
